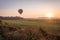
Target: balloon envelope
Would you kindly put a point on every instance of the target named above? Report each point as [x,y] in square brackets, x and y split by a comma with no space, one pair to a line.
[20,11]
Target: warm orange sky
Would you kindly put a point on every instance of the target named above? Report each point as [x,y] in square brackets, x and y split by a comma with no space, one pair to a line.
[31,8]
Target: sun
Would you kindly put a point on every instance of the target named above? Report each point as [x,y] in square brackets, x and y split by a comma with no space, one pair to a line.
[49,15]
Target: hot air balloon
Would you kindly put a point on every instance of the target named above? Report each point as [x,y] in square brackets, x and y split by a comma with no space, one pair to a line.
[20,11]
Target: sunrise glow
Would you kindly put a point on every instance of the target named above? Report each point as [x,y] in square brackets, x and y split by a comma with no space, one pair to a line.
[31,8]
[49,15]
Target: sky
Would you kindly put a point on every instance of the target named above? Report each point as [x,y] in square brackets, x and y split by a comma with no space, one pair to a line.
[31,8]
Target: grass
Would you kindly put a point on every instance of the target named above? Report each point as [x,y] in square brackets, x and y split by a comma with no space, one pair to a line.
[48,25]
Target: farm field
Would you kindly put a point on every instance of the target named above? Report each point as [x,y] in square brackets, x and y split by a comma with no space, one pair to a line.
[52,26]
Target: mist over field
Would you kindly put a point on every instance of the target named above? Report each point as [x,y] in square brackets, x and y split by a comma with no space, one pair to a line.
[32,29]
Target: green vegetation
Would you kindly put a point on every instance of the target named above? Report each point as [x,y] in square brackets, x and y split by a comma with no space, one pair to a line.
[29,29]
[48,25]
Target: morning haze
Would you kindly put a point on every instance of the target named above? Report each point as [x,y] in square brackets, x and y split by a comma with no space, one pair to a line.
[31,8]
